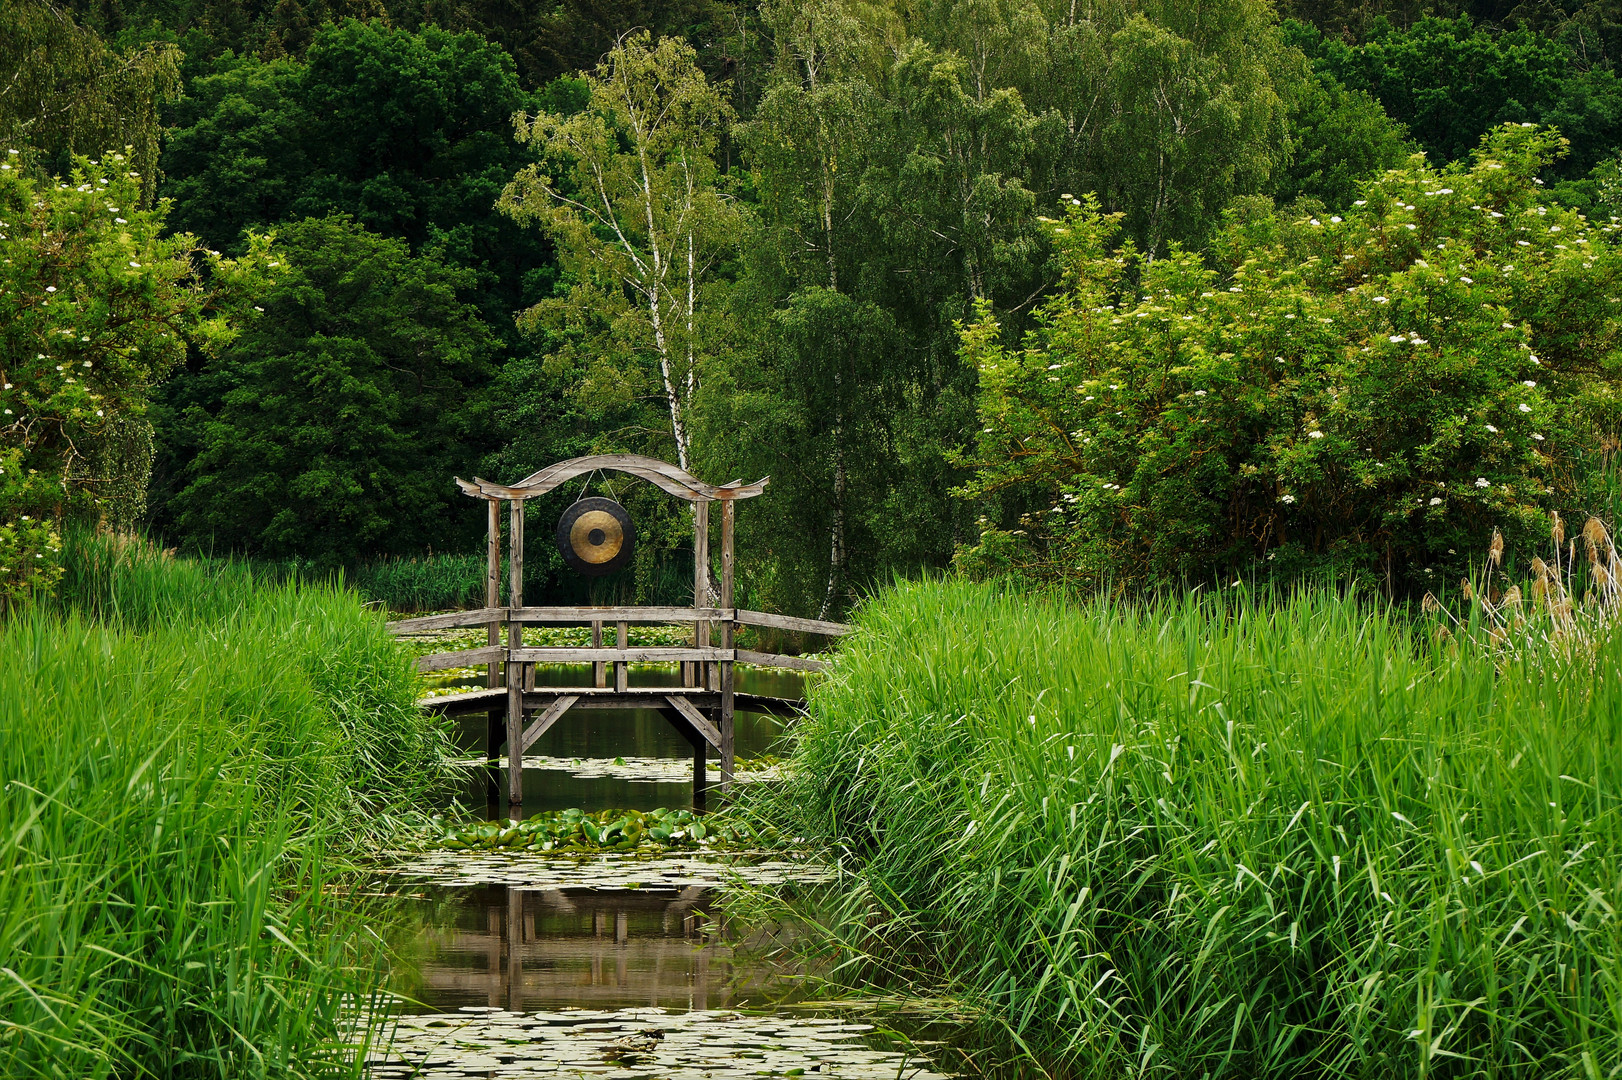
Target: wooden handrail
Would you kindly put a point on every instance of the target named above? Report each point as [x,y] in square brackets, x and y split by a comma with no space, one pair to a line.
[653,654]
[790,622]
[636,614]
[449,620]
[588,615]
[487,654]
[778,660]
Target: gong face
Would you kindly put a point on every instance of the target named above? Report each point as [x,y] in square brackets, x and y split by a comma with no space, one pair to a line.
[596,536]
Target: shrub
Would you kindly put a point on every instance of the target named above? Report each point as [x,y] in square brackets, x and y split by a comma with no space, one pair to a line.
[1370,395]
[96,306]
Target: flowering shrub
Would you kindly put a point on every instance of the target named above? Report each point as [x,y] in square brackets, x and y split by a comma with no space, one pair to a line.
[1373,394]
[95,308]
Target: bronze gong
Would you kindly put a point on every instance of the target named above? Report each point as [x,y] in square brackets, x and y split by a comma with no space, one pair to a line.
[596,537]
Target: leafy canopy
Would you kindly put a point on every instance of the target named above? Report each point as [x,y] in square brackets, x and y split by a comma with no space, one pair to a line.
[1371,394]
[626,190]
[332,427]
[97,306]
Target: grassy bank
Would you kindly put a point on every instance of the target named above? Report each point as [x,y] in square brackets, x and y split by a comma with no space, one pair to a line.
[1226,839]
[186,757]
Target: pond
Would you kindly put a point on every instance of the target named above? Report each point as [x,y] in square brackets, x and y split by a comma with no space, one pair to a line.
[519,964]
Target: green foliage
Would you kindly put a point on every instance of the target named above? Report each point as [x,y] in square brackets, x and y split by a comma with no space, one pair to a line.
[96,306]
[1369,395]
[187,755]
[1224,838]
[332,428]
[1450,81]
[426,583]
[638,223]
[408,133]
[67,93]
[1341,138]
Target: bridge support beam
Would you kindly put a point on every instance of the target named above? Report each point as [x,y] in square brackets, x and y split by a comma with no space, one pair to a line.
[729,517]
[515,671]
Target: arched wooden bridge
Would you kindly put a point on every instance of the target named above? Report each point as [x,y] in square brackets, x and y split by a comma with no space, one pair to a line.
[702,707]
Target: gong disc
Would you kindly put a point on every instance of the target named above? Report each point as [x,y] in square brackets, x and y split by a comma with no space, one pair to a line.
[596,536]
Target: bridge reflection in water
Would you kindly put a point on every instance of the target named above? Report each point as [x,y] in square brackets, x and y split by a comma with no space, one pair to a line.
[545,949]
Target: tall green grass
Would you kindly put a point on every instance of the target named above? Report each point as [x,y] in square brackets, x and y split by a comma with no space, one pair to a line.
[186,755]
[1220,838]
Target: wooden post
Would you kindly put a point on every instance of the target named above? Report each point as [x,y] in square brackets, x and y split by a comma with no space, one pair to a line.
[622,670]
[492,675]
[701,585]
[728,520]
[599,670]
[515,673]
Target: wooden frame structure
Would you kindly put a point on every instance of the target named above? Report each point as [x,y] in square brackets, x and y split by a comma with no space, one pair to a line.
[702,708]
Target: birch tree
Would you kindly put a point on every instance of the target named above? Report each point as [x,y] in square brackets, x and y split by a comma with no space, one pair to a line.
[811,140]
[626,189]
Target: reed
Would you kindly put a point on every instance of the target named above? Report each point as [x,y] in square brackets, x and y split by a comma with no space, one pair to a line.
[1224,836]
[187,758]
[1570,608]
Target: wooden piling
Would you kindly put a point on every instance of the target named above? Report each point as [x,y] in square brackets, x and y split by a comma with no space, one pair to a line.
[700,777]
[701,586]
[515,672]
[729,515]
[492,675]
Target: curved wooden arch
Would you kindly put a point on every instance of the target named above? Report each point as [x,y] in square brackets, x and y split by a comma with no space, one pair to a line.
[670,478]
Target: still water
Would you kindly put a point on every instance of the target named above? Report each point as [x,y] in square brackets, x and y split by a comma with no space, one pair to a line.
[612,733]
[646,983]
[523,948]
[526,949]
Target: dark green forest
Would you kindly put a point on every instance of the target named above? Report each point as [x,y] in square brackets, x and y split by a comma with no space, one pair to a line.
[375,244]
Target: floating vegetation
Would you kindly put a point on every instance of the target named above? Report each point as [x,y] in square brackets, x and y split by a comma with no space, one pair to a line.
[644,770]
[639,869]
[631,1044]
[577,831]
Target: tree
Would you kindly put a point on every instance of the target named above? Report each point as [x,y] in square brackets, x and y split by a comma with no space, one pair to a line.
[332,428]
[97,306]
[1339,139]
[635,212]
[66,92]
[1450,81]
[811,145]
[409,133]
[1368,396]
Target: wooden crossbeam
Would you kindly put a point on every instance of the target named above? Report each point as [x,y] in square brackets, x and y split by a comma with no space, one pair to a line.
[650,655]
[643,614]
[790,622]
[461,658]
[671,478]
[778,660]
[476,617]
[553,712]
[699,721]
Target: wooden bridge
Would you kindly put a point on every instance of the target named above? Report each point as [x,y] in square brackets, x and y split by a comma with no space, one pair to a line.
[701,708]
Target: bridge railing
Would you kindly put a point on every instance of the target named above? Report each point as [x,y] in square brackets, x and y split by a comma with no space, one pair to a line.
[697,659]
